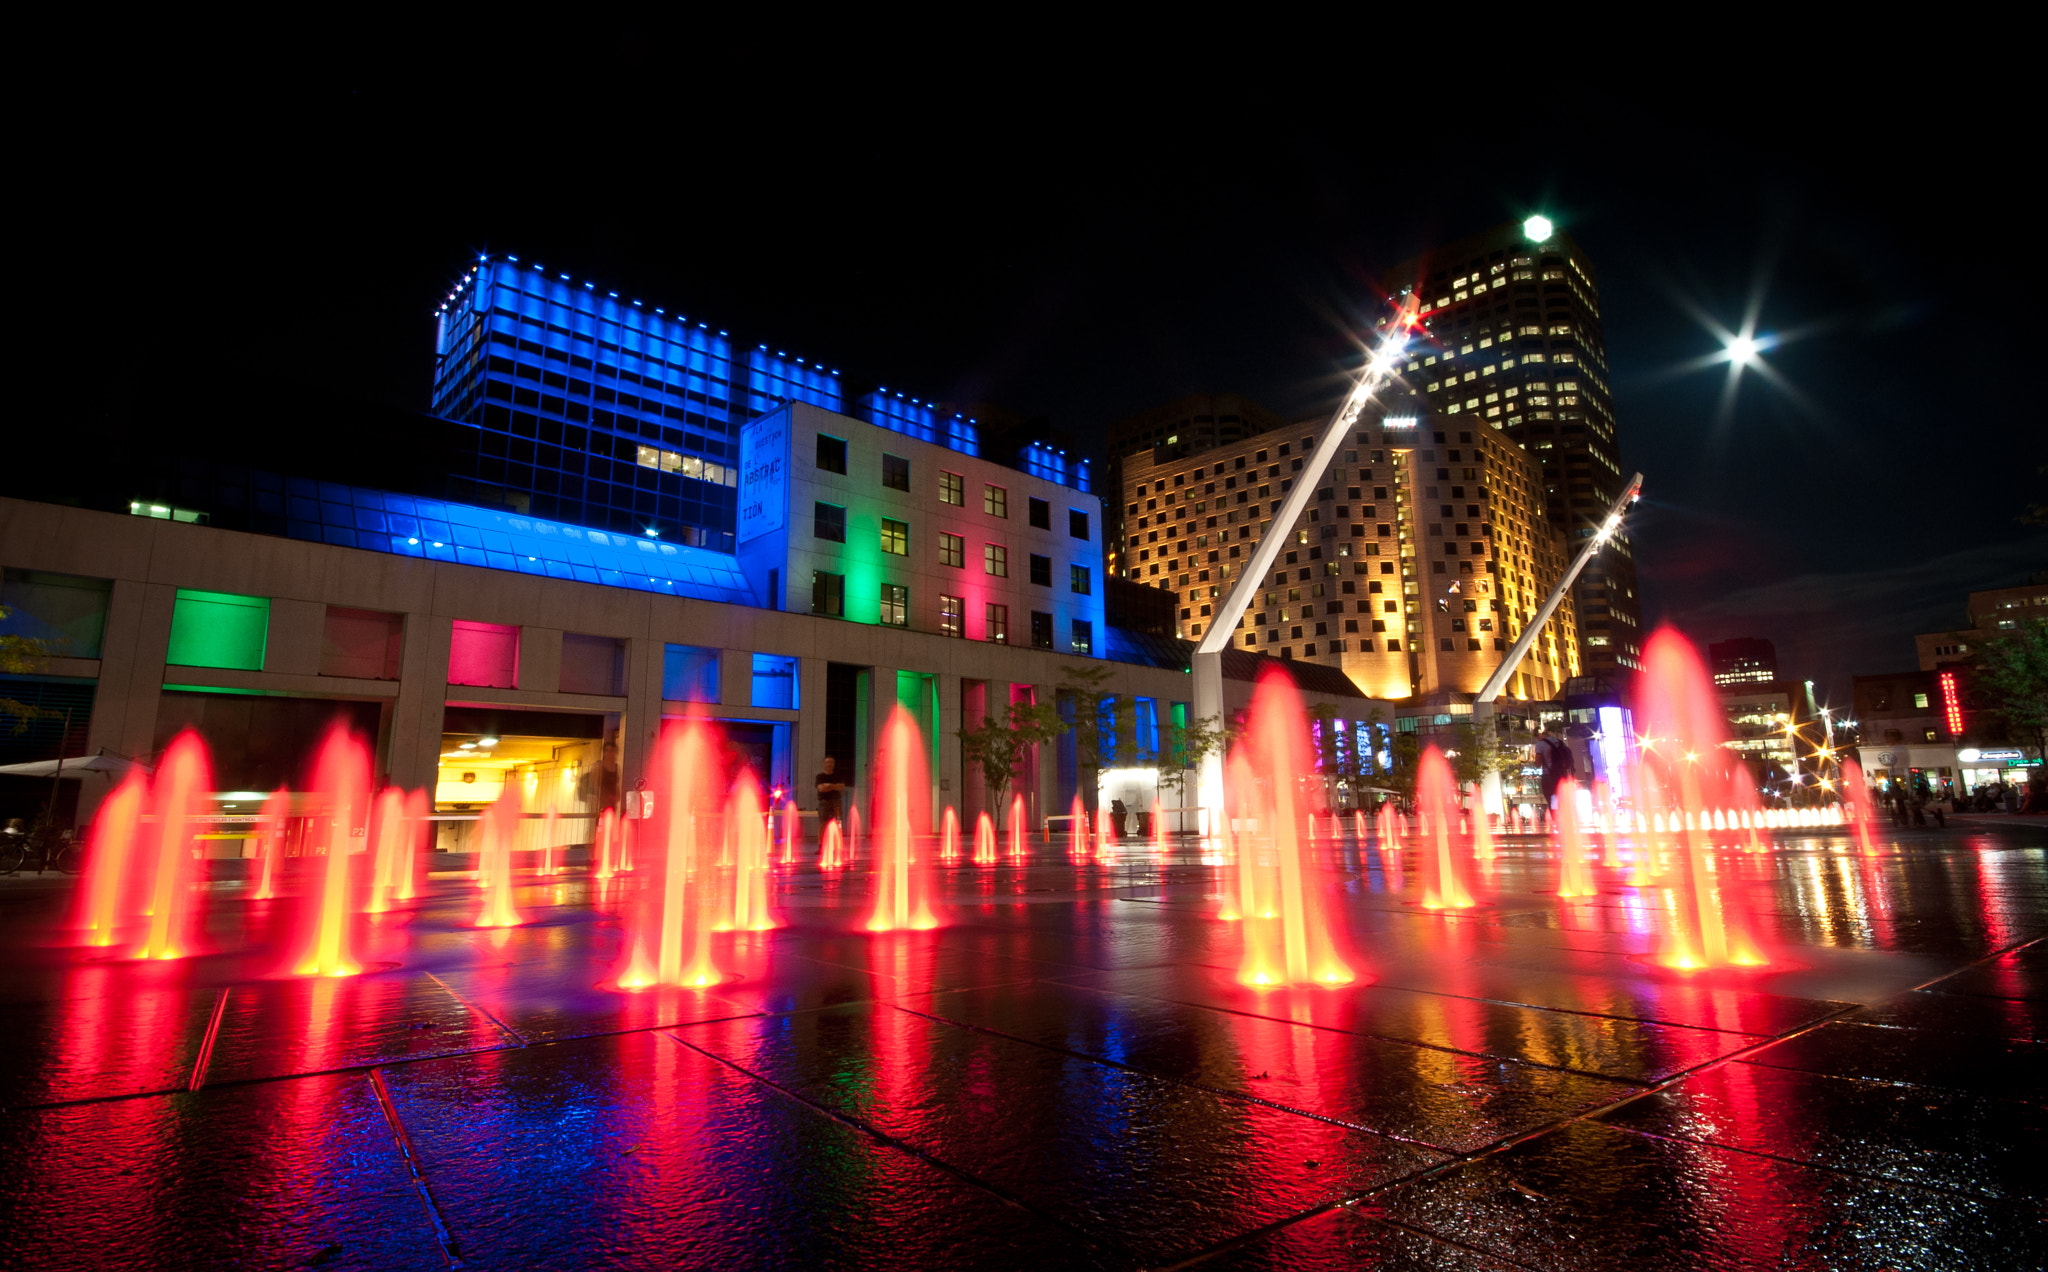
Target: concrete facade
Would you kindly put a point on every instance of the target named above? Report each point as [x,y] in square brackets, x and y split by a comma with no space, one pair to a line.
[149,560]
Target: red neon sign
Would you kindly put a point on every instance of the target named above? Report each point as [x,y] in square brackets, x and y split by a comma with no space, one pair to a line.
[1951,703]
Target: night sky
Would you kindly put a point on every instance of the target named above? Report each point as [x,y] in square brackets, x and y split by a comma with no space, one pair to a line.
[1009,244]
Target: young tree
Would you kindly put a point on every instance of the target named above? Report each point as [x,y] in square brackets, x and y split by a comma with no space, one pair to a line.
[2013,676]
[999,746]
[1183,748]
[1475,753]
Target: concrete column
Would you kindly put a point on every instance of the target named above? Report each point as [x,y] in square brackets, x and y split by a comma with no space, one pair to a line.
[417,714]
[950,778]
[132,647]
[809,744]
[735,677]
[641,726]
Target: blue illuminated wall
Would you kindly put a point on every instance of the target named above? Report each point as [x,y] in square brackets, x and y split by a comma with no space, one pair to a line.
[921,420]
[597,409]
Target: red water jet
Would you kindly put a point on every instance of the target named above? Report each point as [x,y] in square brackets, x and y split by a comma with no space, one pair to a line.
[607,828]
[1159,848]
[341,787]
[984,840]
[183,778]
[1018,851]
[1288,937]
[1446,883]
[831,848]
[1077,825]
[747,845]
[500,827]
[902,809]
[1573,877]
[1856,804]
[271,826]
[670,940]
[388,832]
[949,835]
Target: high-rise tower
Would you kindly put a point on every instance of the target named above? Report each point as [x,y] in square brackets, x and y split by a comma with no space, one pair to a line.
[1510,339]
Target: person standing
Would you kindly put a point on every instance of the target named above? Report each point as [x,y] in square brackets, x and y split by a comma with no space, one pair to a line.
[1555,756]
[831,794]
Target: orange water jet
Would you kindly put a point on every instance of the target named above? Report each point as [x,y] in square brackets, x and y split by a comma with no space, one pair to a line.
[831,847]
[607,830]
[1856,804]
[388,833]
[271,825]
[1077,826]
[1288,936]
[747,844]
[1159,848]
[670,940]
[116,833]
[1018,850]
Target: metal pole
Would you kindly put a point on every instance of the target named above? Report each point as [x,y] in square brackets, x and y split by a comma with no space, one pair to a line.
[1608,525]
[1383,365]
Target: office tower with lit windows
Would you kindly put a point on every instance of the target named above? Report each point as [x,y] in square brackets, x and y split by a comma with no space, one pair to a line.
[609,412]
[1186,425]
[1744,661]
[1509,340]
[1413,569]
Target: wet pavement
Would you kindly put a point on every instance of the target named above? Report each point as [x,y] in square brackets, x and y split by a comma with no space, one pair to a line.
[1065,1074]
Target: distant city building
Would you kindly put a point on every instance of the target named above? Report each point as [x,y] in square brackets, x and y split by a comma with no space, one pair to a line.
[1511,340]
[1187,425]
[1743,661]
[1988,613]
[1911,724]
[1413,569]
[1768,720]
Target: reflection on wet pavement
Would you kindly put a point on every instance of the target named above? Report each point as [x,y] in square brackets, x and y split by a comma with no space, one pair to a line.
[1066,1074]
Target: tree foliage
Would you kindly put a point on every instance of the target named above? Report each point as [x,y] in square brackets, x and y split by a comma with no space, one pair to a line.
[998,747]
[1183,747]
[2012,676]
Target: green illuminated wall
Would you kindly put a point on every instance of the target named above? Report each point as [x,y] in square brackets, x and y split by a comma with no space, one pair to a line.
[219,629]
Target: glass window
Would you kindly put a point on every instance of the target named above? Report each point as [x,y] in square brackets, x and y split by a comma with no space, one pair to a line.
[1077,523]
[831,454]
[689,673]
[995,559]
[67,610]
[895,537]
[1041,570]
[828,521]
[1084,636]
[996,620]
[1041,630]
[221,629]
[590,664]
[775,681]
[895,605]
[953,489]
[895,472]
[1079,580]
[828,593]
[952,550]
[995,501]
[1041,514]
[952,616]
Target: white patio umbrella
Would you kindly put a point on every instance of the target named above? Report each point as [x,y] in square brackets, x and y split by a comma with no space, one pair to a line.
[111,765]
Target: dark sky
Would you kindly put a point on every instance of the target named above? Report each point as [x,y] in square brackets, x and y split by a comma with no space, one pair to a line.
[1061,254]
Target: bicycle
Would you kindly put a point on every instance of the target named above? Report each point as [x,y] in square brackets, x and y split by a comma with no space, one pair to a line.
[42,847]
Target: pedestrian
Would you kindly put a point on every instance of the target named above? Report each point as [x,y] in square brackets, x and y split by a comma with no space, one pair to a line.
[831,792]
[1555,757]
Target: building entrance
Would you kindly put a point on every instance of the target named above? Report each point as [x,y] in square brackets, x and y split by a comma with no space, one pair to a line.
[562,767]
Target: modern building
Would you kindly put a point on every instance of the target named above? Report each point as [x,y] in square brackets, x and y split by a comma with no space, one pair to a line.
[1509,339]
[1191,424]
[1987,613]
[1413,569]
[604,411]
[1911,725]
[1743,661]
[482,646]
[1771,725]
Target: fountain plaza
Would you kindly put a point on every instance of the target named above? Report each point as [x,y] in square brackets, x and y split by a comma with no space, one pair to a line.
[1694,1037]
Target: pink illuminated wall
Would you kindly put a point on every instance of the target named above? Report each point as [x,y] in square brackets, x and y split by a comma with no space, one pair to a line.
[484,654]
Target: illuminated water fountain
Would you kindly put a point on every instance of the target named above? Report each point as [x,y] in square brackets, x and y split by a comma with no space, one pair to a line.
[1697,775]
[1446,881]
[669,942]
[271,825]
[902,808]
[949,836]
[1856,805]
[1288,936]
[1018,847]
[1574,878]
[747,846]
[176,799]
[984,840]
[341,787]
[103,892]
[499,828]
